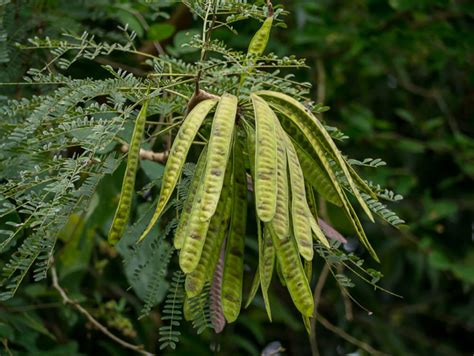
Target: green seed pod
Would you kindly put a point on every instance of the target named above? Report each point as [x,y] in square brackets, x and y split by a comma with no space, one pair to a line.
[260,39]
[317,176]
[180,233]
[218,154]
[304,118]
[215,236]
[265,179]
[234,254]
[280,273]
[313,211]
[293,274]
[178,154]
[320,153]
[281,220]
[266,252]
[299,207]
[253,288]
[125,202]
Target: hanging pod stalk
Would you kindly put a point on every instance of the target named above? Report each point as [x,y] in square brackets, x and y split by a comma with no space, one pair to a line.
[125,202]
[234,253]
[177,157]
[265,179]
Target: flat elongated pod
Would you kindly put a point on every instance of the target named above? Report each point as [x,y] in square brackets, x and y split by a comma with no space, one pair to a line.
[180,233]
[250,136]
[234,254]
[363,186]
[218,226]
[313,208]
[260,39]
[315,174]
[218,154]
[177,157]
[265,179]
[320,153]
[266,252]
[303,117]
[253,288]
[293,274]
[299,207]
[125,202]
[281,220]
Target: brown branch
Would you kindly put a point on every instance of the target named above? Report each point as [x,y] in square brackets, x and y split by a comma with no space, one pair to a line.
[349,338]
[317,296]
[91,319]
[149,155]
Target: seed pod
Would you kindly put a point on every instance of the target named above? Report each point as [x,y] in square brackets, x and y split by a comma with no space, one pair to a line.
[293,274]
[260,39]
[314,173]
[304,118]
[265,179]
[180,233]
[266,252]
[125,202]
[234,255]
[299,207]
[281,220]
[314,143]
[253,288]
[218,154]
[177,156]
[215,235]
[313,210]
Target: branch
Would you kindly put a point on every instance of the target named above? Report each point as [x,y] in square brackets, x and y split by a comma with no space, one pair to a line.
[92,320]
[349,338]
[317,296]
[160,157]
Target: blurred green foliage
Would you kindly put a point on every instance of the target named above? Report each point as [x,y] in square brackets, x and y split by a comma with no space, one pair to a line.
[398,77]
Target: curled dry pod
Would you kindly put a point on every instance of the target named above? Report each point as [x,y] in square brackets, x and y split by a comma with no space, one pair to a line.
[180,233]
[218,154]
[293,274]
[125,202]
[304,118]
[265,179]
[178,153]
[266,252]
[215,235]
[234,253]
[299,207]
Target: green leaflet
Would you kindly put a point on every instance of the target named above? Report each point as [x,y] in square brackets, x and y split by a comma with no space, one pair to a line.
[125,202]
[293,274]
[265,179]
[266,263]
[303,118]
[218,154]
[180,233]
[234,253]
[178,153]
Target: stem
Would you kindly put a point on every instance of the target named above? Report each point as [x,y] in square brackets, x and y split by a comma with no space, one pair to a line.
[91,319]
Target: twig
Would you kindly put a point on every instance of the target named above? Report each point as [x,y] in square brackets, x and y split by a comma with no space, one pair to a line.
[347,302]
[91,319]
[160,157]
[349,338]
[317,296]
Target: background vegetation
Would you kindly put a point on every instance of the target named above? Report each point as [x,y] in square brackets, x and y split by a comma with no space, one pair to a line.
[398,77]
